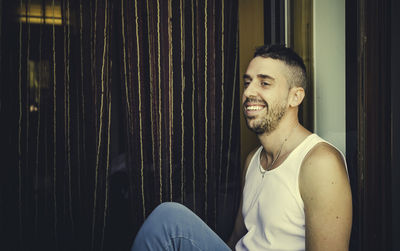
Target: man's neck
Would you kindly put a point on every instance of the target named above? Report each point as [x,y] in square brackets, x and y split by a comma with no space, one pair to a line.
[273,142]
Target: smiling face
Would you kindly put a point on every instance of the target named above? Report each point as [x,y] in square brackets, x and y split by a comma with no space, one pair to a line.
[265,97]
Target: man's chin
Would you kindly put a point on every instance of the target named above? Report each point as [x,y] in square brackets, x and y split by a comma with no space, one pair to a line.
[256,129]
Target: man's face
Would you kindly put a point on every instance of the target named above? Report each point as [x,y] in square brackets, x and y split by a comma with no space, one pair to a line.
[265,95]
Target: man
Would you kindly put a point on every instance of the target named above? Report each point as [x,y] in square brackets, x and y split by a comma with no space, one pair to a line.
[296,192]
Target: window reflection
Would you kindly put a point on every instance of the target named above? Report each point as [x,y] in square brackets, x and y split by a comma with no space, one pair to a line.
[41,12]
[39,79]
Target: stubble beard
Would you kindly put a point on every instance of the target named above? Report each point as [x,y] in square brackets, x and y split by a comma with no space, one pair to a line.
[267,122]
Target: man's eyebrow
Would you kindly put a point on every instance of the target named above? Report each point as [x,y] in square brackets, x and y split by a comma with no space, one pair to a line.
[245,76]
[263,76]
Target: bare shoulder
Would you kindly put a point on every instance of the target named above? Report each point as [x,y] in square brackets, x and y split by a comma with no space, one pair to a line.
[323,159]
[322,166]
[325,190]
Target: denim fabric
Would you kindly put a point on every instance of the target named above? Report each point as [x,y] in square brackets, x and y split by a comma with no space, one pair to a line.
[172,226]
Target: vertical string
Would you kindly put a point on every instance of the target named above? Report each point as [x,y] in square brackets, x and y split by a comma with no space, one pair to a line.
[159,96]
[213,112]
[183,99]
[109,98]
[222,86]
[69,113]
[83,102]
[65,167]
[130,81]
[170,94]
[65,160]
[231,121]
[27,5]
[93,33]
[20,130]
[126,78]
[205,109]
[151,78]
[125,64]
[107,175]
[193,120]
[107,172]
[100,121]
[140,109]
[38,129]
[54,129]
[65,55]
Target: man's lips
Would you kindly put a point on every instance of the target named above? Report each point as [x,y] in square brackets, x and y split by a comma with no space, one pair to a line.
[252,109]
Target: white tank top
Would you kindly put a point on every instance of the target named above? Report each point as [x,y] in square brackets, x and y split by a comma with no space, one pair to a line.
[273,210]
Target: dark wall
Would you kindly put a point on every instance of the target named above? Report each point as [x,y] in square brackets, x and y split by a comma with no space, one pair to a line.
[117,108]
[395,90]
[372,76]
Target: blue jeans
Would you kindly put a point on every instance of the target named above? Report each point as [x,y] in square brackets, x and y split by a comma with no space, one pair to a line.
[172,226]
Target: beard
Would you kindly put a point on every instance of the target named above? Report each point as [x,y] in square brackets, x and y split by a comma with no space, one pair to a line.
[268,121]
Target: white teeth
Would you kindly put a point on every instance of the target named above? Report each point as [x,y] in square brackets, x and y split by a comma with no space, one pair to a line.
[254,108]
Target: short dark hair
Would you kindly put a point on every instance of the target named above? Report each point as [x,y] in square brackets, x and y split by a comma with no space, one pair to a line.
[297,69]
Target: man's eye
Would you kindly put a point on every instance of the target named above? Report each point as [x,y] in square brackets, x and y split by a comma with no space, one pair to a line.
[264,83]
[245,84]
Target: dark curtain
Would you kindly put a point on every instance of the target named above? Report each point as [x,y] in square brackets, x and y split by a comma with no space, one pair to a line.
[109,108]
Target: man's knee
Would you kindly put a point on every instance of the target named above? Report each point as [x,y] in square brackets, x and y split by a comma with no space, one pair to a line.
[166,216]
[169,211]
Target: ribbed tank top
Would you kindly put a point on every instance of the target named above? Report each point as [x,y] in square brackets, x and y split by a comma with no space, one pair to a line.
[273,210]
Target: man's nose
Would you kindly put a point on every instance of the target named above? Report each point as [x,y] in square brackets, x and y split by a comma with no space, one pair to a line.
[250,90]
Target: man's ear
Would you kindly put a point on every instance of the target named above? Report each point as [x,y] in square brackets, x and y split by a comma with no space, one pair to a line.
[296,96]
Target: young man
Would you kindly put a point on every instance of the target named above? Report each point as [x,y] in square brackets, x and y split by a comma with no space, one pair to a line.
[296,193]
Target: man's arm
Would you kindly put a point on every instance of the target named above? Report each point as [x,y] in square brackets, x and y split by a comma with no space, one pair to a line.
[239,228]
[325,189]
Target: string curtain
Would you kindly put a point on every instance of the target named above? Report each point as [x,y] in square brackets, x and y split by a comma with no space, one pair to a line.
[110,108]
